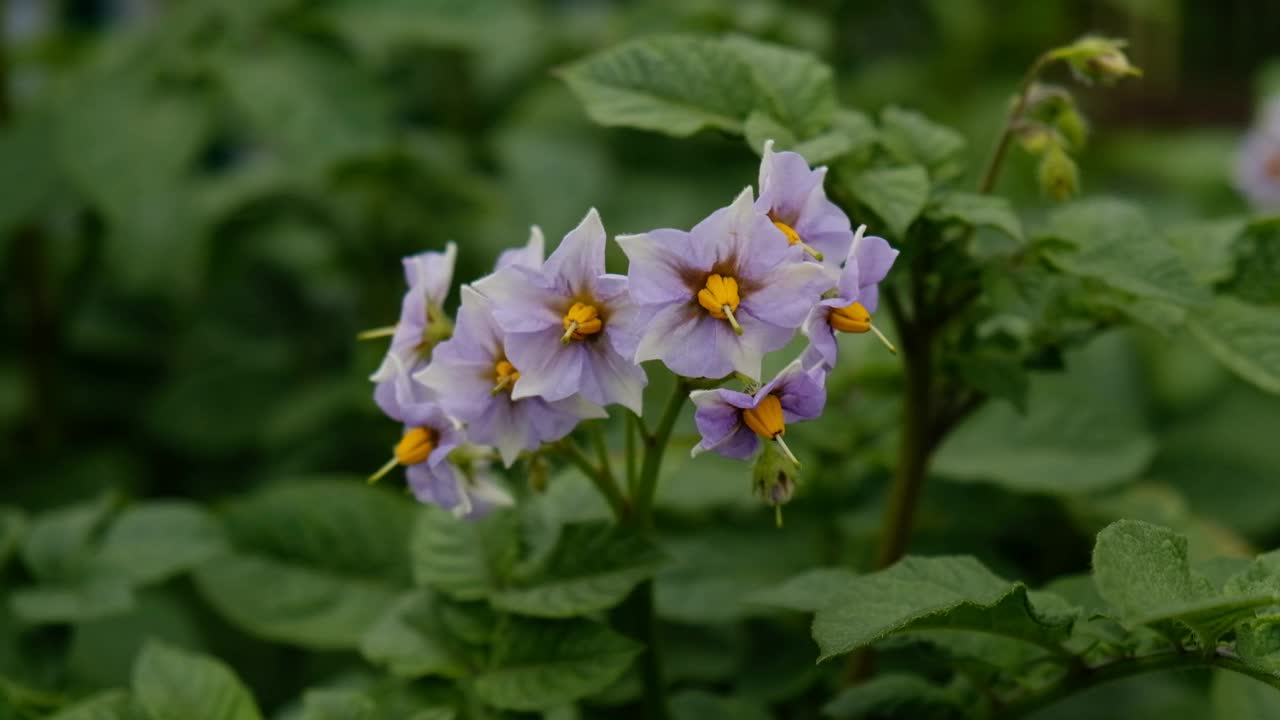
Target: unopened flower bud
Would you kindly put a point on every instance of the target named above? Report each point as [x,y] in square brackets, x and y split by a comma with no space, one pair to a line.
[774,476]
[1071,124]
[1098,59]
[1059,179]
[1035,138]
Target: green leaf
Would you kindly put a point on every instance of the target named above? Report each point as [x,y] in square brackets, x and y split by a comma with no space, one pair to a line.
[1245,338]
[897,195]
[378,28]
[793,86]
[77,601]
[315,563]
[1074,438]
[1237,697]
[894,695]
[1112,243]
[13,526]
[466,559]
[151,542]
[592,567]
[1143,571]
[702,705]
[327,704]
[1257,263]
[806,592]
[172,684]
[671,84]
[110,705]
[541,664]
[315,108]
[406,639]
[58,546]
[912,138]
[976,210]
[956,593]
[1207,247]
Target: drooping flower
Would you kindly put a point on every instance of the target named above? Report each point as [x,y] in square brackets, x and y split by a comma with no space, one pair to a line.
[792,195]
[440,467]
[1257,171]
[732,423]
[857,296]
[717,298]
[422,321]
[472,376]
[570,327]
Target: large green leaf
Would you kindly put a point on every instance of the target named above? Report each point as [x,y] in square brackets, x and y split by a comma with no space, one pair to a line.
[58,545]
[315,563]
[807,592]
[1257,263]
[72,601]
[1208,247]
[912,138]
[110,705]
[468,560]
[793,86]
[977,210]
[1243,337]
[591,567]
[408,639]
[1074,438]
[1112,243]
[956,593]
[895,695]
[672,84]
[172,684]
[1236,697]
[542,664]
[897,194]
[1143,571]
[150,542]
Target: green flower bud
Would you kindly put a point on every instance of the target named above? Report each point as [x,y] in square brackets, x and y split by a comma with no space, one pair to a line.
[774,477]
[1071,124]
[1097,59]
[1058,176]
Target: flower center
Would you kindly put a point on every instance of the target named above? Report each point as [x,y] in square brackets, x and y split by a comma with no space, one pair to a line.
[720,299]
[581,320]
[505,375]
[1272,167]
[852,318]
[766,419]
[416,445]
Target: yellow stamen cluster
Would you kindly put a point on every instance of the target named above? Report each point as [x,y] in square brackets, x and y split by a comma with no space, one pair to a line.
[852,318]
[505,375]
[581,320]
[720,299]
[793,238]
[416,445]
[766,419]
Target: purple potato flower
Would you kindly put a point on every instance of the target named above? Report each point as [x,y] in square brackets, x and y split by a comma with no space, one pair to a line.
[791,194]
[857,297]
[473,378]
[422,318]
[1257,171]
[570,327]
[732,423]
[530,256]
[429,447]
[717,298]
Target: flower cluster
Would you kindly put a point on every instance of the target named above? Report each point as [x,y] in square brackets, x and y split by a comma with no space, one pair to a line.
[541,345]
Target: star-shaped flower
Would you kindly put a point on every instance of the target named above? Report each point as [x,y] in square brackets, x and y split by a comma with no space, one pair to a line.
[857,297]
[733,423]
[792,195]
[717,298]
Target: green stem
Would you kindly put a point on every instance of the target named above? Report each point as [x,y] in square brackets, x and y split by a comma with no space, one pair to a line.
[655,446]
[632,427]
[996,162]
[602,453]
[600,478]
[1090,677]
